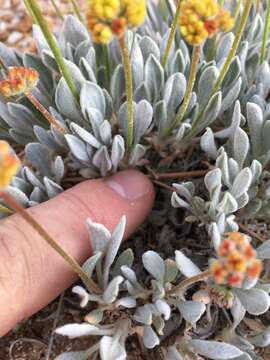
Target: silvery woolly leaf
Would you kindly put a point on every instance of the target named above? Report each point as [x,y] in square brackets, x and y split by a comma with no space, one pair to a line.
[255,124]
[142,119]
[173,354]
[177,202]
[206,84]
[212,180]
[263,251]
[143,315]
[255,301]
[185,189]
[118,85]
[113,247]
[77,147]
[238,312]
[154,77]
[78,330]
[99,235]
[228,204]
[112,290]
[73,31]
[174,92]
[211,112]
[191,310]
[52,188]
[128,302]
[90,264]
[82,293]
[215,235]
[163,308]
[92,97]
[231,95]
[85,135]
[137,154]
[65,102]
[208,144]
[105,131]
[125,258]
[74,355]
[240,146]
[148,47]
[118,151]
[261,340]
[185,265]
[129,274]
[94,317]
[150,338]
[154,264]
[241,183]
[111,349]
[215,350]
[40,158]
[171,270]
[101,160]
[18,195]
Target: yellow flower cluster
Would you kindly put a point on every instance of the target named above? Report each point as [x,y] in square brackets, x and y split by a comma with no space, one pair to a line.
[106,18]
[9,164]
[19,81]
[200,19]
[237,261]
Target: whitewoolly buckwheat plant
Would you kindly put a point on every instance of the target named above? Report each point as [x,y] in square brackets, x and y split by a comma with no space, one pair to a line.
[157,85]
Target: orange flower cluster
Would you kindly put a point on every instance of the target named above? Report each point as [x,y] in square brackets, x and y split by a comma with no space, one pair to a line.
[237,261]
[19,81]
[9,164]
[200,19]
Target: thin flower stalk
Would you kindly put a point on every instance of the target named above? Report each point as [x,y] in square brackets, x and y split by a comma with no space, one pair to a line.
[51,119]
[191,81]
[235,45]
[171,35]
[203,276]
[89,283]
[227,63]
[76,10]
[36,11]
[57,10]
[129,90]
[265,34]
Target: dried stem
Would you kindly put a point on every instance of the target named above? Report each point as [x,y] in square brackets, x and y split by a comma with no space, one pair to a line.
[191,81]
[189,281]
[180,174]
[129,89]
[171,35]
[51,119]
[265,34]
[89,283]
[251,233]
[39,18]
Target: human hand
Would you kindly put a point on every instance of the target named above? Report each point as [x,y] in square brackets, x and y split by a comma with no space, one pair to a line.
[31,273]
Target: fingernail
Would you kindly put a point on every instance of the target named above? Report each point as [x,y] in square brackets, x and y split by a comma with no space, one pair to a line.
[130,184]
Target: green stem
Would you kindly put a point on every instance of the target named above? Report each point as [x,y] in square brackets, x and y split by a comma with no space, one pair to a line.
[107,64]
[57,10]
[10,201]
[191,81]
[30,11]
[35,9]
[265,34]
[76,10]
[129,90]
[234,47]
[237,9]
[171,35]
